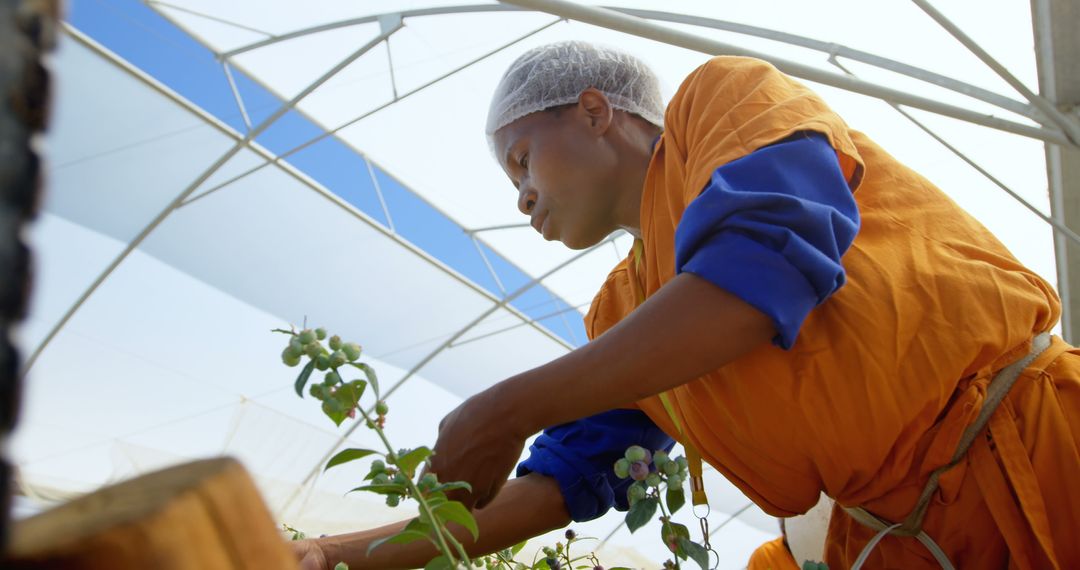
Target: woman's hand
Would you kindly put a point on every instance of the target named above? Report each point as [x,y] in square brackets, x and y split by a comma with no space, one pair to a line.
[310,554]
[479,445]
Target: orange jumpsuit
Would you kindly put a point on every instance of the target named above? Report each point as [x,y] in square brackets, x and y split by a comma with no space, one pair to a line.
[887,372]
[773,555]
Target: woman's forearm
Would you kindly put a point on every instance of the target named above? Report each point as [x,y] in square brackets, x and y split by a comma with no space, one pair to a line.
[528,506]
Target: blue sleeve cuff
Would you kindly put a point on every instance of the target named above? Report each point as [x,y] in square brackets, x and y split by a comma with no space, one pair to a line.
[580,456]
[770,228]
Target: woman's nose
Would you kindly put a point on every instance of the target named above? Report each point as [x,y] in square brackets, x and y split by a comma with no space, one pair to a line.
[526,201]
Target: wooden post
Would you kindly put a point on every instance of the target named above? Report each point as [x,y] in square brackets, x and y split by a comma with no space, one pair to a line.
[205,515]
[27,30]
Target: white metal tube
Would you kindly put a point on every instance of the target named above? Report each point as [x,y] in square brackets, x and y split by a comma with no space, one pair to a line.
[643,28]
[1067,124]
[179,199]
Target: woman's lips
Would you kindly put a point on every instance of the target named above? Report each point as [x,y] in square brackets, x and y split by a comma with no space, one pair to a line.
[539,223]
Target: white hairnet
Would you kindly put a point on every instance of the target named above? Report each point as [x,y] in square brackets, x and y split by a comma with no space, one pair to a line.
[556,74]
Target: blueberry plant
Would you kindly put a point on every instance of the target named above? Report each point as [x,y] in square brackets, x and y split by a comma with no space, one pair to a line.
[396,474]
[658,484]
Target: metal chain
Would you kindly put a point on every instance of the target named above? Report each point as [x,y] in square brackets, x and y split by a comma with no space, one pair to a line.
[703,522]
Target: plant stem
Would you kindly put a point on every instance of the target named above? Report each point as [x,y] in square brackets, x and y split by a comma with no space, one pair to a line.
[457,545]
[667,524]
[392,456]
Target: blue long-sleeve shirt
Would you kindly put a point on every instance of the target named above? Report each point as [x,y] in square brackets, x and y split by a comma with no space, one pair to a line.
[769,228]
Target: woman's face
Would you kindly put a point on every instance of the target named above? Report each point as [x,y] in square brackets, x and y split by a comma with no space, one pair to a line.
[563,169]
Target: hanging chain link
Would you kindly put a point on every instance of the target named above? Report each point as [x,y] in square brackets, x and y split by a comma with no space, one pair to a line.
[703,522]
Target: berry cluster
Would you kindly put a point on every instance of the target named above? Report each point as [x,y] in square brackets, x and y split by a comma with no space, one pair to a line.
[638,464]
[309,342]
[556,557]
[340,399]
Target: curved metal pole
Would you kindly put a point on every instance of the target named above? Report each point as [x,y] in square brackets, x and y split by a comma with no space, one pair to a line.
[179,199]
[831,48]
[366,20]
[643,28]
[1067,124]
[984,95]
[1060,228]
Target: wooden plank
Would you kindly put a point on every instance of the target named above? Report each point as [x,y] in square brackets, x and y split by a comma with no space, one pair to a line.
[205,515]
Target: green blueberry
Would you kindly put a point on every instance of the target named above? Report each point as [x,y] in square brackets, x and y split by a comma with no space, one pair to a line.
[295,343]
[660,459]
[636,453]
[635,493]
[351,350]
[322,362]
[381,479]
[378,466]
[622,468]
[317,391]
[337,358]
[320,333]
[428,481]
[670,468]
[313,350]
[306,336]
[653,480]
[289,359]
[393,500]
[332,378]
[682,463]
[381,408]
[675,482]
[549,551]
[335,342]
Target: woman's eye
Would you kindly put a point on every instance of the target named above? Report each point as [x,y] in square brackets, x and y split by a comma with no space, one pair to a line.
[524,161]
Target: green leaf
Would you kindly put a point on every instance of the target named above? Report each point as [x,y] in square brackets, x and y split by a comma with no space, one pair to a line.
[409,462]
[812,565]
[439,563]
[435,500]
[695,551]
[418,526]
[341,566]
[384,489]
[302,379]
[454,511]
[641,513]
[454,485]
[518,547]
[371,377]
[670,533]
[676,498]
[333,410]
[349,393]
[345,456]
[403,537]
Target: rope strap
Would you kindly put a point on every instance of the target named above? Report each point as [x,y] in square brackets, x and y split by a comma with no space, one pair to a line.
[912,526]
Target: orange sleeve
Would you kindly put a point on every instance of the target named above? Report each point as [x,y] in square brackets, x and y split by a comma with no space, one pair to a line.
[731,106]
[773,555]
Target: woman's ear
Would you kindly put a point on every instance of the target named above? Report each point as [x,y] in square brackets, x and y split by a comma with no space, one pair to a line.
[595,107]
